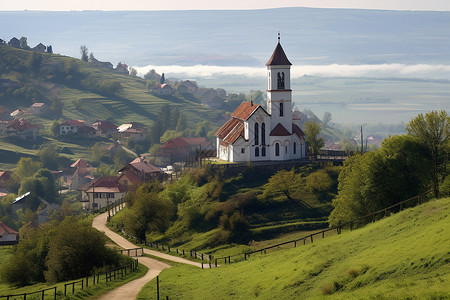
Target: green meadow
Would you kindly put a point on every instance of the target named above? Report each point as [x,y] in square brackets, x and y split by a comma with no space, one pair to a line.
[404,256]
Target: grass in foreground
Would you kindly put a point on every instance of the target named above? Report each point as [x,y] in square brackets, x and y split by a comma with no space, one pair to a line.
[91,292]
[406,256]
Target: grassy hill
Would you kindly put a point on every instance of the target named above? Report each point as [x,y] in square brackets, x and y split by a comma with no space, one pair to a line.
[76,85]
[405,256]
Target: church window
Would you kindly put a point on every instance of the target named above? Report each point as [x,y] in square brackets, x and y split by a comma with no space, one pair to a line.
[295,148]
[277,149]
[281,110]
[257,151]
[263,151]
[256,134]
[285,149]
[242,150]
[280,81]
[263,134]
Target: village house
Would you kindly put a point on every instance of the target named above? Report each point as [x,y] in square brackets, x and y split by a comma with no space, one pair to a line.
[23,129]
[70,127]
[132,131]
[8,236]
[102,191]
[14,42]
[190,86]
[38,108]
[17,113]
[122,69]
[105,128]
[137,172]
[162,89]
[39,48]
[181,148]
[256,134]
[101,64]
[81,175]
[210,98]
[46,214]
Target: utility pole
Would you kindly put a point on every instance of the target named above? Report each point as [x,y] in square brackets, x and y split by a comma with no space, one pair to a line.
[362,142]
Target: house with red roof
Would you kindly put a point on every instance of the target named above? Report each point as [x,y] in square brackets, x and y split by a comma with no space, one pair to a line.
[137,172]
[180,148]
[254,133]
[162,89]
[102,191]
[81,175]
[23,129]
[70,126]
[38,108]
[105,128]
[8,236]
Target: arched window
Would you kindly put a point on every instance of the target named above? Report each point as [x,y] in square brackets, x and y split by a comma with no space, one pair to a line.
[285,149]
[295,148]
[278,81]
[281,110]
[282,81]
[263,134]
[256,134]
[263,151]
[277,149]
[257,151]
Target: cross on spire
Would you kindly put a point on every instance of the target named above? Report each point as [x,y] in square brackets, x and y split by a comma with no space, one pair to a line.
[278,36]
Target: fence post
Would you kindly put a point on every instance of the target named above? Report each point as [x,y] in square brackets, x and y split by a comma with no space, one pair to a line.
[65,289]
[157,287]
[55,293]
[323,234]
[229,259]
[295,244]
[311,238]
[215,262]
[43,294]
[82,284]
[73,288]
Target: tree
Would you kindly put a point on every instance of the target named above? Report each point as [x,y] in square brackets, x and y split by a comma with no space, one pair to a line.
[24,43]
[432,130]
[49,49]
[181,123]
[312,130]
[377,179]
[84,53]
[26,167]
[287,184]
[326,118]
[133,72]
[49,157]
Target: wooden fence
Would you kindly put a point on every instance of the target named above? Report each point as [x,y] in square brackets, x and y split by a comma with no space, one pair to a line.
[129,252]
[353,224]
[71,287]
[206,259]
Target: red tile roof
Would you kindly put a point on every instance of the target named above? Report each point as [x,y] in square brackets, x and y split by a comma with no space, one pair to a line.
[21,125]
[231,131]
[6,229]
[106,184]
[80,163]
[278,57]
[142,165]
[297,131]
[245,110]
[279,130]
[180,142]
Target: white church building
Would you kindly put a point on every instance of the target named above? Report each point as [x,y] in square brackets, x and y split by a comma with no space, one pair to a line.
[256,134]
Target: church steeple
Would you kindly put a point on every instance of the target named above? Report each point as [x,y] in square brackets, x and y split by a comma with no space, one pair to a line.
[279,93]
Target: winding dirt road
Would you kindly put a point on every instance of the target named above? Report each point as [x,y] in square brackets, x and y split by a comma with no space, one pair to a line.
[130,290]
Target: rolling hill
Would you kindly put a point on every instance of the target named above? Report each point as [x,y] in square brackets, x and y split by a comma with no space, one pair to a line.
[405,256]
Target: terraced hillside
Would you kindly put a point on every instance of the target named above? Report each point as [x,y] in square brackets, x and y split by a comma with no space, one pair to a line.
[85,92]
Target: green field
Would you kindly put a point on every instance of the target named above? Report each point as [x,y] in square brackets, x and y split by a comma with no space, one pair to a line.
[405,256]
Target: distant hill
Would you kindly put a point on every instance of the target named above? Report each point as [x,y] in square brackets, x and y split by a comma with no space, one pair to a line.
[239,37]
[86,92]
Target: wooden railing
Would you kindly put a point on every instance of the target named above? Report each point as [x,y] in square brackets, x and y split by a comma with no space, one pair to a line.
[350,225]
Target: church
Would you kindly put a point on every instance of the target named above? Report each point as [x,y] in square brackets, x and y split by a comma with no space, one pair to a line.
[272,134]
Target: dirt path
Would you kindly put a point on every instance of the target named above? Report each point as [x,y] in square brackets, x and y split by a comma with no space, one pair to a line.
[131,289]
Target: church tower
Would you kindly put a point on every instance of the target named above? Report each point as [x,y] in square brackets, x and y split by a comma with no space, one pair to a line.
[279,93]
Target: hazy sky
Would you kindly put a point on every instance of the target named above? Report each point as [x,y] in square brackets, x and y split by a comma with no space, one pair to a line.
[5,5]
